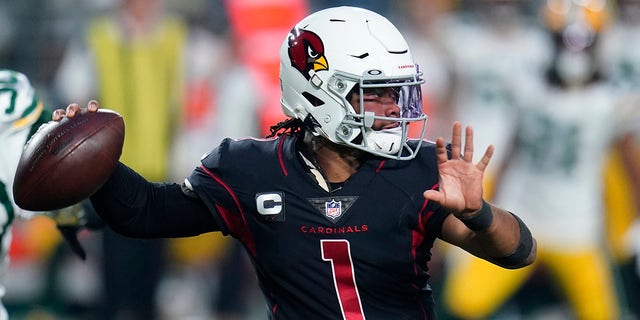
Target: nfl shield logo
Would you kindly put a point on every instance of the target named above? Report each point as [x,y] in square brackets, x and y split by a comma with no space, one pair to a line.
[333,209]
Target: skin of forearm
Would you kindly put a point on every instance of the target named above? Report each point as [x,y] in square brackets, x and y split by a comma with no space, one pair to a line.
[502,239]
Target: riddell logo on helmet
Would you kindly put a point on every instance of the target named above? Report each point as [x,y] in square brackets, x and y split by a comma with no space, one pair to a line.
[405,66]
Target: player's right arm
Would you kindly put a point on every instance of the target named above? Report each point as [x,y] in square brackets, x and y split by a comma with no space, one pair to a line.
[135,207]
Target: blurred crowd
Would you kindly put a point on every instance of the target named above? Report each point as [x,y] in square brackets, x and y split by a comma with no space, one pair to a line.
[553,84]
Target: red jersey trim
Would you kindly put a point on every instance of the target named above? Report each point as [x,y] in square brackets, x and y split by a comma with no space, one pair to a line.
[418,234]
[280,156]
[418,237]
[428,214]
[237,224]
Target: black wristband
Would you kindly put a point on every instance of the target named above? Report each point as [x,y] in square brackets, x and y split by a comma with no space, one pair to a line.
[481,220]
[522,252]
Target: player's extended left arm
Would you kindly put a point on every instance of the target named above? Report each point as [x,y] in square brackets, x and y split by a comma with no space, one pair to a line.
[493,234]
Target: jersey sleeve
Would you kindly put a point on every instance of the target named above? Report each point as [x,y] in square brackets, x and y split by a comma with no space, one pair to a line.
[212,181]
[436,220]
[434,215]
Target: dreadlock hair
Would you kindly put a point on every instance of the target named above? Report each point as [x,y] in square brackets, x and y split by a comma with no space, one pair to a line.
[288,126]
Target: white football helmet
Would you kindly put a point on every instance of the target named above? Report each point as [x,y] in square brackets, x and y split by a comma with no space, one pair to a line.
[335,50]
[19,105]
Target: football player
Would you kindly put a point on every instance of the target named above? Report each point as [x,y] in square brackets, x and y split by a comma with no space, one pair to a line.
[620,59]
[494,48]
[21,113]
[337,209]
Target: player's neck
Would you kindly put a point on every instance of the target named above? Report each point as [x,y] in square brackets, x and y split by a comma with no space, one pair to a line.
[337,167]
[336,162]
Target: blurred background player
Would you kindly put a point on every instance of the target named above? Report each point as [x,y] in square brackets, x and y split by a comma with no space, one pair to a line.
[494,49]
[553,175]
[493,46]
[21,113]
[620,60]
[176,83]
[132,58]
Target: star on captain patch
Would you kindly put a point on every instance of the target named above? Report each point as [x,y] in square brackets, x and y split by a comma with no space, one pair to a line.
[333,208]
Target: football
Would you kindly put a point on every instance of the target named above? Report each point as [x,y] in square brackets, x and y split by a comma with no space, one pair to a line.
[67,161]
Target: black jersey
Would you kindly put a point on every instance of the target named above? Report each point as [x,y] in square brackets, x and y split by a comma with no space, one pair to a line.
[357,252]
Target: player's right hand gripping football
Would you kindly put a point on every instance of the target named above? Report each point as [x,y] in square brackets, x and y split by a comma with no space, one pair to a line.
[72,109]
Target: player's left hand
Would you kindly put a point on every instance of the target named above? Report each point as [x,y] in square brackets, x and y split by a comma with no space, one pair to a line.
[460,182]
[72,220]
[69,222]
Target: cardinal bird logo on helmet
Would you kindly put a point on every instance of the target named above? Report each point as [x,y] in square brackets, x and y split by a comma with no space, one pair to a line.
[306,52]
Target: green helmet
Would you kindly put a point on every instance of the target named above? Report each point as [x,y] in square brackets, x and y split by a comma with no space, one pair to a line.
[19,105]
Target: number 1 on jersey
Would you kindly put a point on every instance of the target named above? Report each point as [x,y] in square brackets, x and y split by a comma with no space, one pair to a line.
[338,252]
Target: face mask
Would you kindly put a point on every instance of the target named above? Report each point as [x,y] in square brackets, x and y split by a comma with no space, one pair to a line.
[574,68]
